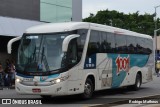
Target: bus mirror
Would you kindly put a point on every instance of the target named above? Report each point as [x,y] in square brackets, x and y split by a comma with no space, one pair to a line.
[67,40]
[9,45]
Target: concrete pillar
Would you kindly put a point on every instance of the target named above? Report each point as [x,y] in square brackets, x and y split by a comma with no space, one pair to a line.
[77,10]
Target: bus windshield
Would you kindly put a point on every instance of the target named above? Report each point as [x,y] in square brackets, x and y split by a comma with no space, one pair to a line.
[41,52]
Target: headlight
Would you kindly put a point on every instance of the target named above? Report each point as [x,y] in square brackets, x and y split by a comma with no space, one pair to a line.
[59,80]
[18,80]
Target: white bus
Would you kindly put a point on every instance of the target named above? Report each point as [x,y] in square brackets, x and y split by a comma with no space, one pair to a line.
[80,58]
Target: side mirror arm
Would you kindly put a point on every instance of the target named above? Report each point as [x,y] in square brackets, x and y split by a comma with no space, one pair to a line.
[9,45]
[67,40]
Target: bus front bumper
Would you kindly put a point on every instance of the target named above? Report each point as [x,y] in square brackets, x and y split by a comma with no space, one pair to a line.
[58,89]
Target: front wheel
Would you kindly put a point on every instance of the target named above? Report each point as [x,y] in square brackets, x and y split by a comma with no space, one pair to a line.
[88,89]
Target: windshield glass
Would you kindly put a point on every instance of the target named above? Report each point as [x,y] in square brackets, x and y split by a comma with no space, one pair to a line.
[41,53]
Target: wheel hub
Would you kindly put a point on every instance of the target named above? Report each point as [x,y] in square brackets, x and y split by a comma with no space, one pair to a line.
[87,88]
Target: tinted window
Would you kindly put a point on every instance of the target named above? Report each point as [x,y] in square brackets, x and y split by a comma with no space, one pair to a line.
[131,44]
[94,43]
[140,45]
[104,44]
[121,44]
[81,41]
[110,43]
[148,46]
[107,42]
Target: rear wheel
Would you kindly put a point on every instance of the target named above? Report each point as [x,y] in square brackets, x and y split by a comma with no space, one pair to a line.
[138,83]
[88,89]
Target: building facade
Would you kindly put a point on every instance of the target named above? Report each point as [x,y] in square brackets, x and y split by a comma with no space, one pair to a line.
[18,15]
[23,9]
[43,10]
[55,10]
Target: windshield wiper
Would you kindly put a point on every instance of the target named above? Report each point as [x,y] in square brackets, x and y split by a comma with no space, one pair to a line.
[44,59]
[42,54]
[34,53]
[32,58]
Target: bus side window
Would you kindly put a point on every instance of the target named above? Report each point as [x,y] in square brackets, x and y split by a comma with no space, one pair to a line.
[140,45]
[120,43]
[131,45]
[94,43]
[104,44]
[148,46]
[110,43]
[81,42]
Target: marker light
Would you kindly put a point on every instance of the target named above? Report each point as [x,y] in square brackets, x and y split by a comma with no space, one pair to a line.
[58,80]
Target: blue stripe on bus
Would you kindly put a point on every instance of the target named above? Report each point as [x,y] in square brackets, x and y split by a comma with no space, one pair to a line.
[24,76]
[41,77]
[53,76]
[48,77]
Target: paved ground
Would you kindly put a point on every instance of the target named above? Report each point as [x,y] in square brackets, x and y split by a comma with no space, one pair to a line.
[107,96]
[140,105]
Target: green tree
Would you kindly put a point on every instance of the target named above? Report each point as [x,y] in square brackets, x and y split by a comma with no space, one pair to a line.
[132,21]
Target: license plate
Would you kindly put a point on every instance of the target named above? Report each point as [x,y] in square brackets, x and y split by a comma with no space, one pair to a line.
[36,90]
[27,79]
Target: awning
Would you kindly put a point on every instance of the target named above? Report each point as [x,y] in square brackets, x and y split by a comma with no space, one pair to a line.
[15,27]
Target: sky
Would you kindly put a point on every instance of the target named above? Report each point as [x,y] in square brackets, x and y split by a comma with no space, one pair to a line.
[125,6]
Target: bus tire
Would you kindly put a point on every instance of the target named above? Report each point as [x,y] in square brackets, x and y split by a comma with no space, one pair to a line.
[46,96]
[138,82]
[88,89]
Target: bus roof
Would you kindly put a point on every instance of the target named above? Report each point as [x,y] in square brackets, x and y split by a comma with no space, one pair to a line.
[69,26]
